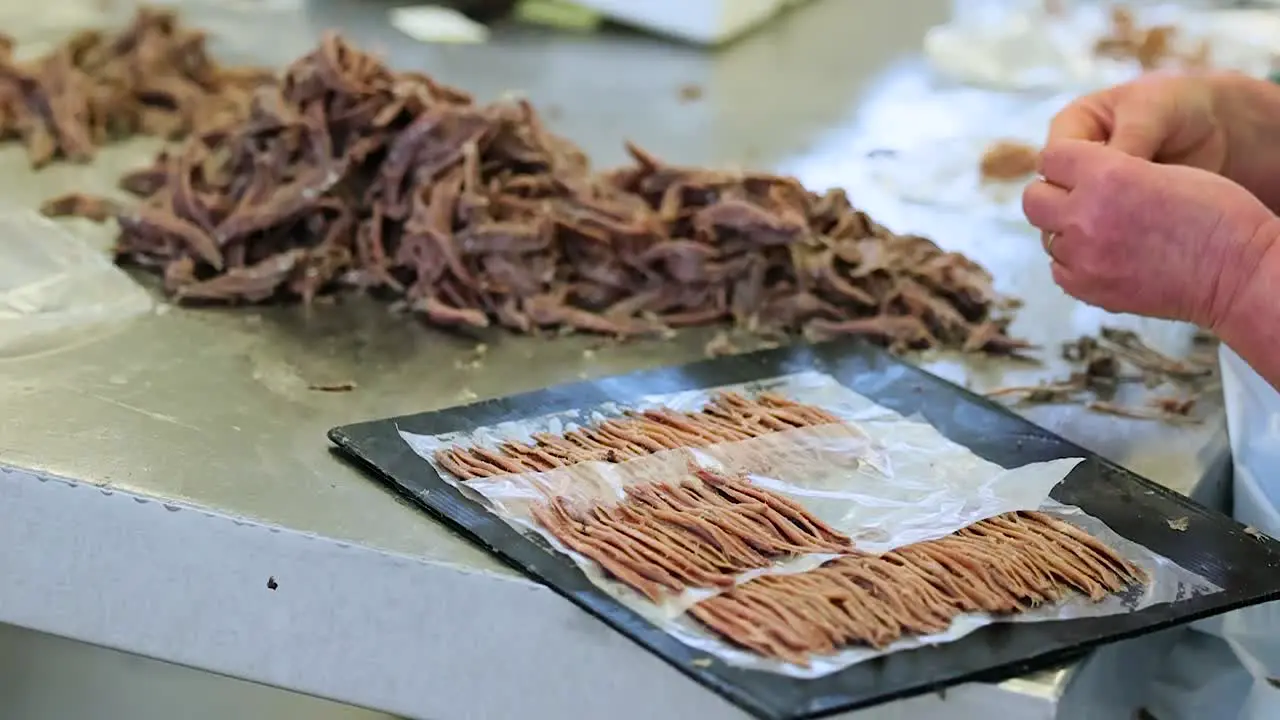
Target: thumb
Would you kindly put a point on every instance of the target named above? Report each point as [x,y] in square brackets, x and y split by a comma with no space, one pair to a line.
[1140,135]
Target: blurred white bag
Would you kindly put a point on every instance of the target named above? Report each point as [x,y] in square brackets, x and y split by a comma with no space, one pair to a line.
[1203,678]
[56,287]
[1253,421]
[38,30]
[1016,45]
[946,173]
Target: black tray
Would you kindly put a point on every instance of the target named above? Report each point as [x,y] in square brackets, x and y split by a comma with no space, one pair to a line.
[1246,566]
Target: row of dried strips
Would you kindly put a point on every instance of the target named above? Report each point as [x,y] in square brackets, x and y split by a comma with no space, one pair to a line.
[155,78]
[701,532]
[1002,565]
[347,173]
[727,417]
[664,538]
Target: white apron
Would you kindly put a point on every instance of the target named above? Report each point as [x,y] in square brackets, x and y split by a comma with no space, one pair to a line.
[1203,679]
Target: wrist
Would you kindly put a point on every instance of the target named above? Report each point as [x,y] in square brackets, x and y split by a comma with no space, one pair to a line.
[1244,305]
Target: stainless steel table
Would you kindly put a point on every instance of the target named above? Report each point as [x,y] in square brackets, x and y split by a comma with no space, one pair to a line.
[195,456]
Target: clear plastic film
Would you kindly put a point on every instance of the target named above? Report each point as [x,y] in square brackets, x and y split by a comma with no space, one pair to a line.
[256,31]
[1026,48]
[883,479]
[54,285]
[1167,582]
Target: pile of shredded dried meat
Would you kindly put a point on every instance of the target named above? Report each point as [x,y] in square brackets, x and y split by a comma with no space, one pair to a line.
[1005,564]
[348,174]
[155,78]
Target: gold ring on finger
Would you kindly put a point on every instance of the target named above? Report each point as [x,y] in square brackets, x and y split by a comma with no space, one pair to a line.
[1048,243]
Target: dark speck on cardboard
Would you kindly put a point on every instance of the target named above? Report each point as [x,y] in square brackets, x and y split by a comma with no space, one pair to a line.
[271,583]
[690,92]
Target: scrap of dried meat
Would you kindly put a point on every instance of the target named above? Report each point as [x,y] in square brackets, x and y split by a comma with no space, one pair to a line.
[1152,47]
[1109,359]
[1008,160]
[694,533]
[728,417]
[1128,346]
[90,207]
[153,78]
[346,173]
[1174,411]
[1006,564]
[690,92]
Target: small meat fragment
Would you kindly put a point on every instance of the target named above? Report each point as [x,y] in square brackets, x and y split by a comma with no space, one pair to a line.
[1180,406]
[343,386]
[1009,160]
[1152,47]
[720,346]
[689,92]
[89,207]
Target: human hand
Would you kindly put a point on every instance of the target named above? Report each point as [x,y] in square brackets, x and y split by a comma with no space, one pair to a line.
[1132,236]
[1171,119]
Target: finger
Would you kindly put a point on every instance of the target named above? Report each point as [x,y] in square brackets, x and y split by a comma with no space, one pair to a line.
[1063,278]
[1066,247]
[1045,205]
[1079,121]
[1064,162]
[1139,134]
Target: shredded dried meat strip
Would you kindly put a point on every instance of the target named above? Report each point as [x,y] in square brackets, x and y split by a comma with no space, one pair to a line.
[729,417]
[682,535]
[620,570]
[1002,565]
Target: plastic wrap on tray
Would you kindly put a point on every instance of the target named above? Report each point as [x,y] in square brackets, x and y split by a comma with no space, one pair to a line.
[882,479]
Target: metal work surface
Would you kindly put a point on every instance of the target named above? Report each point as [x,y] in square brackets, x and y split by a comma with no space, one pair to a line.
[212,407]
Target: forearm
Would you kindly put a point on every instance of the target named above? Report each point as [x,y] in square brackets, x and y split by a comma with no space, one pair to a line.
[1249,110]
[1251,325]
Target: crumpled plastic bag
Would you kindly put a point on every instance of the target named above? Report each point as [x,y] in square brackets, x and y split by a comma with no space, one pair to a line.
[260,32]
[1253,421]
[945,172]
[1024,48]
[39,30]
[54,286]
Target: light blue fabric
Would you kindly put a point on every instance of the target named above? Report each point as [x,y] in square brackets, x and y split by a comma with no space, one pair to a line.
[1226,669]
